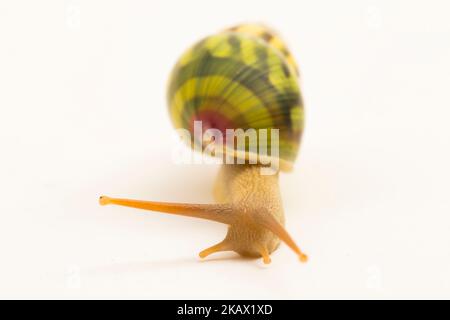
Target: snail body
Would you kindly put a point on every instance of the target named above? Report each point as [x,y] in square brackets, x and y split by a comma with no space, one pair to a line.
[241,78]
[257,198]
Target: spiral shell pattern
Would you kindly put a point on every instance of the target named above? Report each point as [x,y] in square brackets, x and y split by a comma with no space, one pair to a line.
[243,77]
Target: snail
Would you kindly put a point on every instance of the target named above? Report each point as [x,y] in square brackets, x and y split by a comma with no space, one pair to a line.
[242,77]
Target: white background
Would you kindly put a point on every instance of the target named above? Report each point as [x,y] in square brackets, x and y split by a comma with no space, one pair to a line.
[83,113]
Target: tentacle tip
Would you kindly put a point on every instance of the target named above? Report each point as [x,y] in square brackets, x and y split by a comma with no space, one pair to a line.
[267,260]
[103,200]
[303,257]
[203,254]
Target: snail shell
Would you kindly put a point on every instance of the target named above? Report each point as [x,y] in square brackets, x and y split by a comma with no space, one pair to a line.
[243,77]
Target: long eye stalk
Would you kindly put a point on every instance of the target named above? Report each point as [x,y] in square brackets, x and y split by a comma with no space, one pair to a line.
[216,212]
[223,213]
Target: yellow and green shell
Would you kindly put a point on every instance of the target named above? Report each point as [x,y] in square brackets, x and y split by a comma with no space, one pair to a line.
[243,77]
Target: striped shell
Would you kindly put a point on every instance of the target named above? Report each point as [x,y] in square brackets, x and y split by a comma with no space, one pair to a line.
[243,77]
